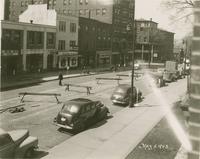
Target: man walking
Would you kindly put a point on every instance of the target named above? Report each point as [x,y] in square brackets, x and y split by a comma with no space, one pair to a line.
[60,77]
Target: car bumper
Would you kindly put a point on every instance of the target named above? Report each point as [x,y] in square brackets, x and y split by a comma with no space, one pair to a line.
[64,126]
[119,102]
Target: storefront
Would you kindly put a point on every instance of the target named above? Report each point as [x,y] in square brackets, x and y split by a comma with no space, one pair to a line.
[34,62]
[104,57]
[11,62]
[115,58]
[67,59]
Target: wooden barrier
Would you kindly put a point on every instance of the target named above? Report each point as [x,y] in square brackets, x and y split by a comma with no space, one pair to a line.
[88,88]
[117,79]
[40,94]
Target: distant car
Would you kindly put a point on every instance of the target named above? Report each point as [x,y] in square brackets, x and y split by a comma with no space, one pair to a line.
[169,76]
[17,144]
[122,94]
[136,66]
[78,113]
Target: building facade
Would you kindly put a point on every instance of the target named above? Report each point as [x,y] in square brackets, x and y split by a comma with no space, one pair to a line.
[66,35]
[153,44]
[26,47]
[94,42]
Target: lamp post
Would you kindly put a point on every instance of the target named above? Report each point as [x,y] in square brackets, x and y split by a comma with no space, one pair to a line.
[132,74]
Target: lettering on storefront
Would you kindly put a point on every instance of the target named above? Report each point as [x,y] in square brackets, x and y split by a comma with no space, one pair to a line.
[10,52]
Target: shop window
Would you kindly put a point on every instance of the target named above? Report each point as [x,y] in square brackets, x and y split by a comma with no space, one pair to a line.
[72,27]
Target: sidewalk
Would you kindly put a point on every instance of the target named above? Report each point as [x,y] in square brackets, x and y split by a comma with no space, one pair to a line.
[119,135]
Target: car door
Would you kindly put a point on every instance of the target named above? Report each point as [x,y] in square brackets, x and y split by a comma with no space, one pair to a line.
[7,146]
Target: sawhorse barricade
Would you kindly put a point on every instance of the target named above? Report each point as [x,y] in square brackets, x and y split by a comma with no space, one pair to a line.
[88,88]
[40,94]
[117,79]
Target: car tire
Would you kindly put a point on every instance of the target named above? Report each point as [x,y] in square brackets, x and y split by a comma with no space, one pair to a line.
[81,127]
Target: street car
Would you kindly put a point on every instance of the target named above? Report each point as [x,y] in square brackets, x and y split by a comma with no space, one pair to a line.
[17,144]
[122,94]
[77,114]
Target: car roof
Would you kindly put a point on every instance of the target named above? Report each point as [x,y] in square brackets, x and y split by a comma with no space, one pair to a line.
[78,102]
[124,86]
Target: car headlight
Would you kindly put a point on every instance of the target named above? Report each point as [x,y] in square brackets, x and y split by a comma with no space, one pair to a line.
[63,119]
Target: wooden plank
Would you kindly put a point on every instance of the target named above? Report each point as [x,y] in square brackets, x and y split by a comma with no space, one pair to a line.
[45,94]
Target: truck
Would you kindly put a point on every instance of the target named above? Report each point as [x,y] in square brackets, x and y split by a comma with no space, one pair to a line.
[17,144]
[170,73]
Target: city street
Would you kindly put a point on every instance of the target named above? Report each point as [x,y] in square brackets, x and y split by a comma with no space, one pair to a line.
[41,110]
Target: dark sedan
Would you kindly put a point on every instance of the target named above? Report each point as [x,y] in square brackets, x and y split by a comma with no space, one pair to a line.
[77,113]
[122,94]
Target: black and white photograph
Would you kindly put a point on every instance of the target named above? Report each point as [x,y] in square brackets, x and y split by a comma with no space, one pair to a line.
[100,79]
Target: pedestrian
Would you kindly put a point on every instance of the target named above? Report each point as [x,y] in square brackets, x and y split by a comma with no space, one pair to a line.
[60,77]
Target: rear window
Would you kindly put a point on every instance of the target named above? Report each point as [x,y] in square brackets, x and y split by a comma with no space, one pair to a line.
[71,109]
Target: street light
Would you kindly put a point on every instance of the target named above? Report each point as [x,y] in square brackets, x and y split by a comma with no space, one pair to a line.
[132,75]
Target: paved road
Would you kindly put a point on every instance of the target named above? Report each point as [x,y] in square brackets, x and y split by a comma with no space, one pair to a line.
[40,111]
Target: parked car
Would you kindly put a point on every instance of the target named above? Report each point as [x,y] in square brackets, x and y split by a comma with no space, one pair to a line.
[17,144]
[122,94]
[78,113]
[136,66]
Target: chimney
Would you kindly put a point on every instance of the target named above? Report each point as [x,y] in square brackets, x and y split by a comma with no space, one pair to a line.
[31,21]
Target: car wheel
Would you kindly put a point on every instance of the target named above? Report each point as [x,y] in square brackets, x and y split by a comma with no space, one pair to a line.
[29,153]
[81,127]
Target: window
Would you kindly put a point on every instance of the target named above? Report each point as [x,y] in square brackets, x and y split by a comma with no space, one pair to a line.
[145,39]
[72,43]
[81,12]
[104,10]
[72,27]
[30,37]
[98,11]
[50,38]
[86,2]
[62,26]
[69,12]
[54,2]
[39,37]
[50,2]
[70,2]
[64,11]
[64,2]
[26,3]
[141,28]
[80,2]
[22,3]
[61,45]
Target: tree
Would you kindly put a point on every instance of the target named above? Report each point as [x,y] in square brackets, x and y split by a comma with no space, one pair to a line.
[182,8]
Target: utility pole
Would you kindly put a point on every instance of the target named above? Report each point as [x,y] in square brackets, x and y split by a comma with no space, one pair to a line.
[132,75]
[194,106]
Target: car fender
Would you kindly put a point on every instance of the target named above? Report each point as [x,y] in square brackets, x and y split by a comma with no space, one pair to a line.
[30,142]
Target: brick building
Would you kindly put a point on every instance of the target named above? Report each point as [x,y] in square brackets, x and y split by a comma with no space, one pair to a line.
[94,42]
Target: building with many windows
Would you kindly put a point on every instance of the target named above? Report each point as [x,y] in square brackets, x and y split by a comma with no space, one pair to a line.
[94,42]
[66,35]
[153,44]
[26,47]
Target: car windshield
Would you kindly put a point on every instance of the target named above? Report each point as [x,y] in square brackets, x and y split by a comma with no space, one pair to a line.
[71,109]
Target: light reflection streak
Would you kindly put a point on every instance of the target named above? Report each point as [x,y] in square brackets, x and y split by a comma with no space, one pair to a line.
[171,118]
